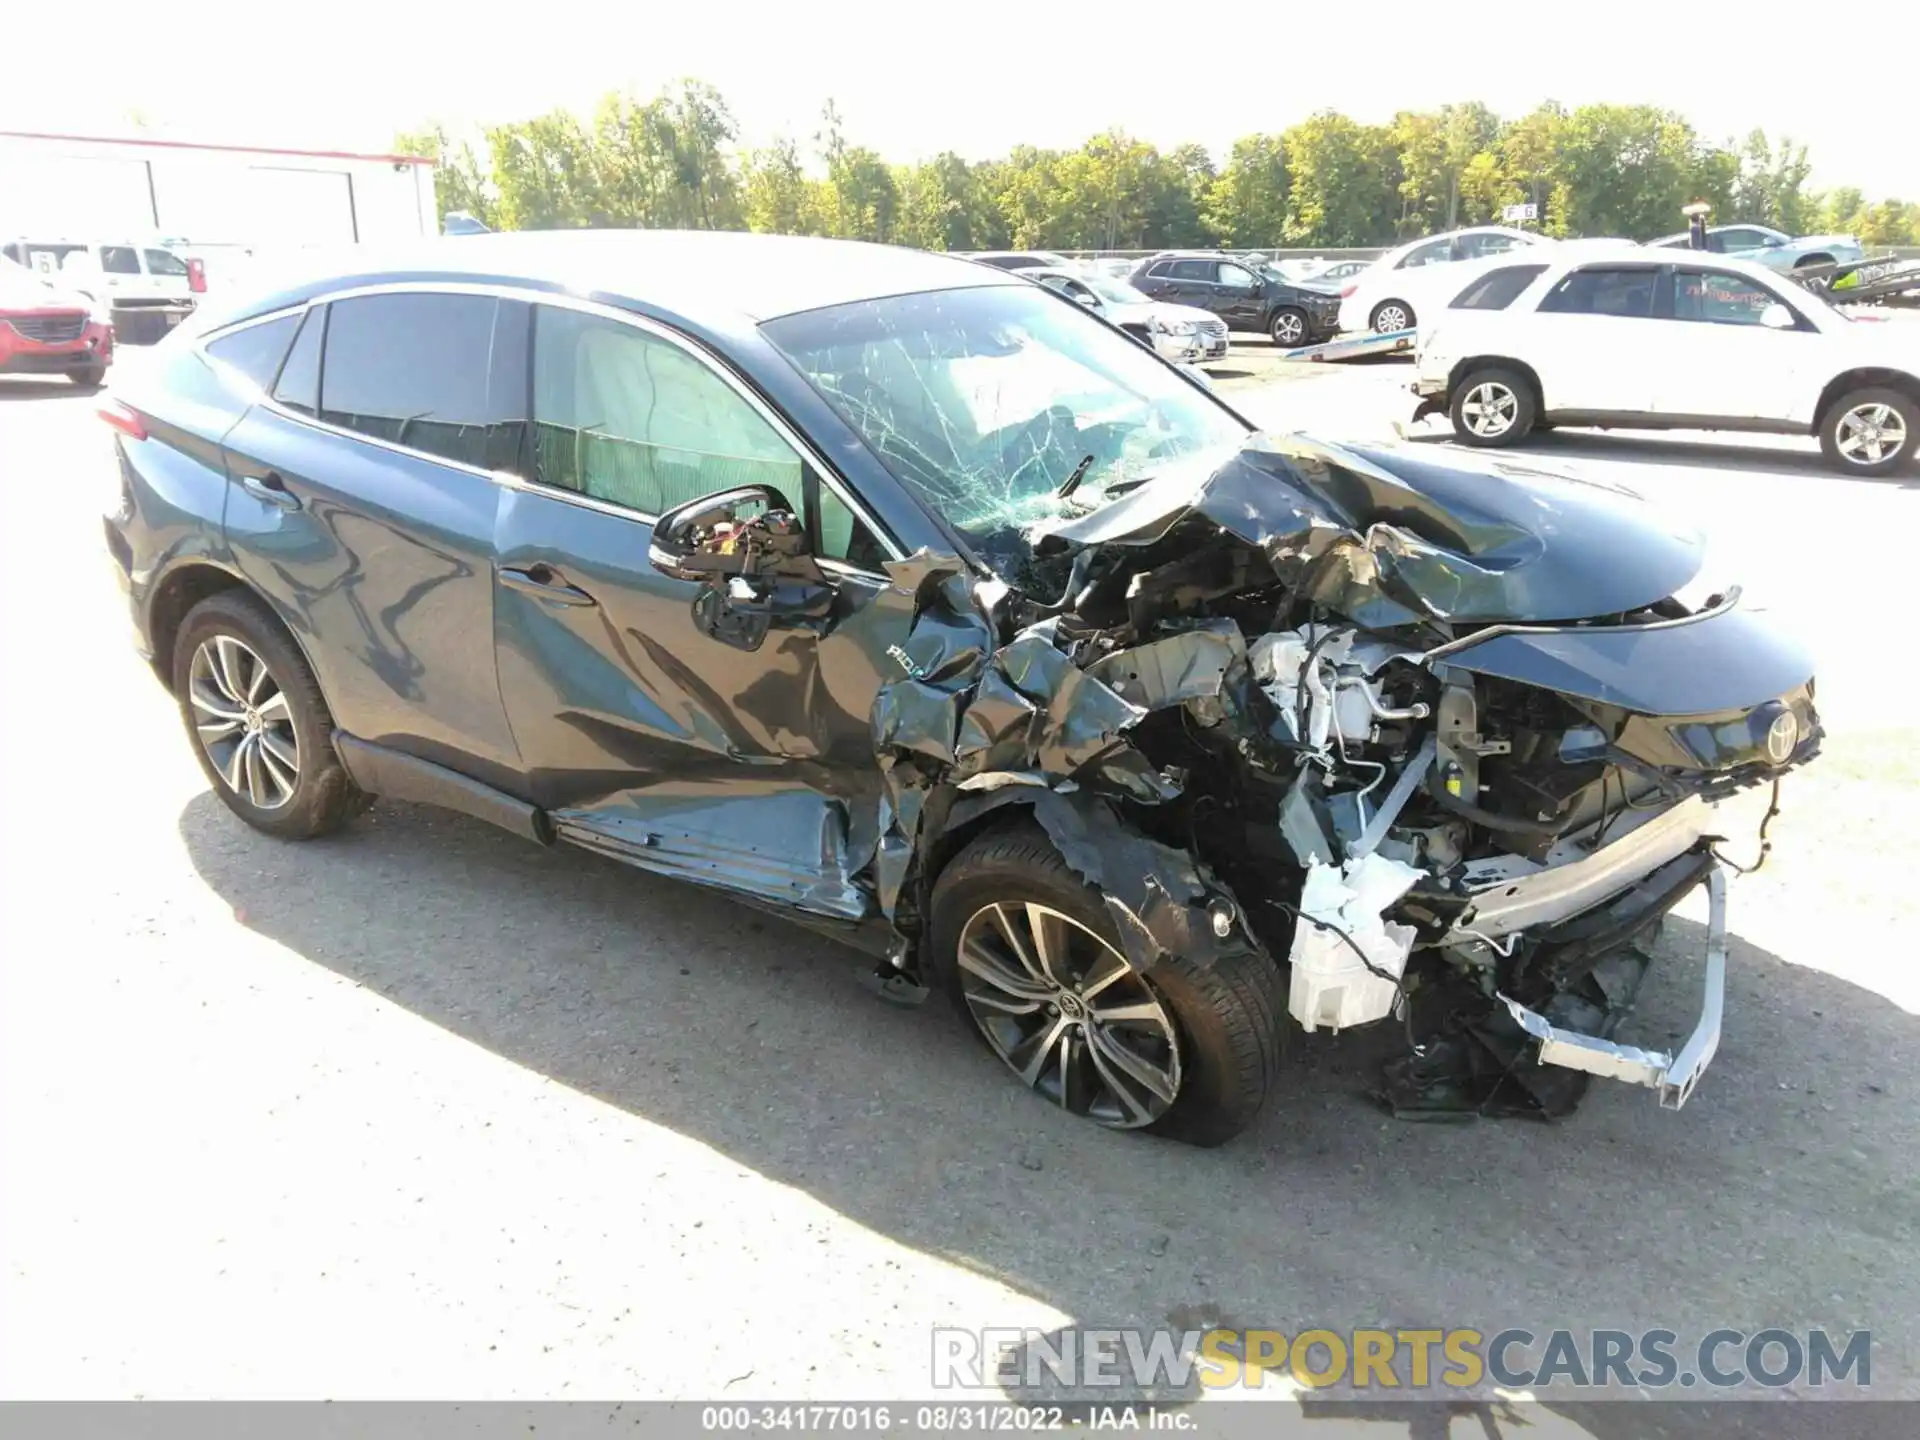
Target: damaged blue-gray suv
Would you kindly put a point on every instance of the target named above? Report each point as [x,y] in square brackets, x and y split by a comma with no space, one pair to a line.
[887,591]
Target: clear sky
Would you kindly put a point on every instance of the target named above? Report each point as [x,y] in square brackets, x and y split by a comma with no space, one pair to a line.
[913,79]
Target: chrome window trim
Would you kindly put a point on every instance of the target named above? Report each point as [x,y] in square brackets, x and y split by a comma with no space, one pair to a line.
[829,477]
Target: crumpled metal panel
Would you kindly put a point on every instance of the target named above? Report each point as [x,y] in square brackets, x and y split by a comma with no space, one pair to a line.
[1192,665]
[1033,727]
[1409,535]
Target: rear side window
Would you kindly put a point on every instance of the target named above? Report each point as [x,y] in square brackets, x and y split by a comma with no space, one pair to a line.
[1193,270]
[299,384]
[1603,290]
[1498,288]
[415,370]
[164,262]
[256,352]
[119,260]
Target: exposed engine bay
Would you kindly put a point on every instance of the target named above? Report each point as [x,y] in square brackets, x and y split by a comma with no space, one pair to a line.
[1442,741]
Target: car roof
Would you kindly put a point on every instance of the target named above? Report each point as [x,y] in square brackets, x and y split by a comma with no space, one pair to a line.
[1406,245]
[1585,252]
[710,277]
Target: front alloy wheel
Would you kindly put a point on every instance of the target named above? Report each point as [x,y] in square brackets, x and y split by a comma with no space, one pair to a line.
[1871,431]
[243,721]
[1289,329]
[1868,434]
[1068,1014]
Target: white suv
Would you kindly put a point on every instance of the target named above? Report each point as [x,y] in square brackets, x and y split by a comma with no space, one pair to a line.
[1638,339]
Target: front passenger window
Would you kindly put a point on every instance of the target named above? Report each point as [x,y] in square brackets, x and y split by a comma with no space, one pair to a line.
[631,418]
[627,417]
[1718,298]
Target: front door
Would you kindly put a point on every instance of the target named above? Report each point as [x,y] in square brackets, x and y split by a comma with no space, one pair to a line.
[1236,295]
[1721,361]
[645,735]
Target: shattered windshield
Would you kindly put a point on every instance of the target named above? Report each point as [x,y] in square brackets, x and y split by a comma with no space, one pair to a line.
[1002,409]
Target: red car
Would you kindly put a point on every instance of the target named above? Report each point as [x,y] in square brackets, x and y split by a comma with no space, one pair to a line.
[45,331]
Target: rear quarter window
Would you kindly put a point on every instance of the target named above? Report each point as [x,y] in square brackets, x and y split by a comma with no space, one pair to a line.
[258,350]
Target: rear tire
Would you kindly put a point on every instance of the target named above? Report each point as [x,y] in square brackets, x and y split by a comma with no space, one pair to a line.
[1391,315]
[257,721]
[1492,407]
[1871,431]
[1224,1018]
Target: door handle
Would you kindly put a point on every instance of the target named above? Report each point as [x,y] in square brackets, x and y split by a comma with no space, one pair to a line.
[545,583]
[270,488]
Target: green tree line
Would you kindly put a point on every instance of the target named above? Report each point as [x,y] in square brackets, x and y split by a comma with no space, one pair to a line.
[1330,181]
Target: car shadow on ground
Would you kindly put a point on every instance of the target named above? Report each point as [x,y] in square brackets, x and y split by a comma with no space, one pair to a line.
[1766,1201]
[14,387]
[1642,446]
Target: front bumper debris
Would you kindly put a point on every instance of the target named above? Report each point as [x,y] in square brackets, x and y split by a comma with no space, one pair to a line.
[1673,1076]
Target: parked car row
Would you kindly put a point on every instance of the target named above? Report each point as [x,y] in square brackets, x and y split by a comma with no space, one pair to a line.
[147,288]
[1184,334]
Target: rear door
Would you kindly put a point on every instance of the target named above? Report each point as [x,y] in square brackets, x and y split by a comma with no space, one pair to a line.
[1191,282]
[645,735]
[363,506]
[1593,337]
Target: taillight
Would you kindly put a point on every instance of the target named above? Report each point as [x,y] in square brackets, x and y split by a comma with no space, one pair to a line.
[124,418]
[1347,290]
[197,276]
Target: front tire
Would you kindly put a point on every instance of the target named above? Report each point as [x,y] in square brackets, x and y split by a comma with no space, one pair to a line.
[1288,328]
[258,722]
[89,378]
[1029,957]
[1871,431]
[1492,407]
[1391,315]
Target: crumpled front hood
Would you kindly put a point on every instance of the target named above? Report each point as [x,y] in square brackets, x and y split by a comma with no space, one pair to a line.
[1401,532]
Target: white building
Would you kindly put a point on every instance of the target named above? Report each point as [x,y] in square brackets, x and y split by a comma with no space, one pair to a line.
[226,195]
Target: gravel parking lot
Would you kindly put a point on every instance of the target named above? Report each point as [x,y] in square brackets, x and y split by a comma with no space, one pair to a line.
[423,1110]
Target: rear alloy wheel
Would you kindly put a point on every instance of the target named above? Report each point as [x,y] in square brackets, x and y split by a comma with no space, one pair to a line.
[1391,315]
[1288,328]
[1492,408]
[244,722]
[1870,432]
[1029,955]
[260,727]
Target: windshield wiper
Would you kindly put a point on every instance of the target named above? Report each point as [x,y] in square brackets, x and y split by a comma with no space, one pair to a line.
[1072,482]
